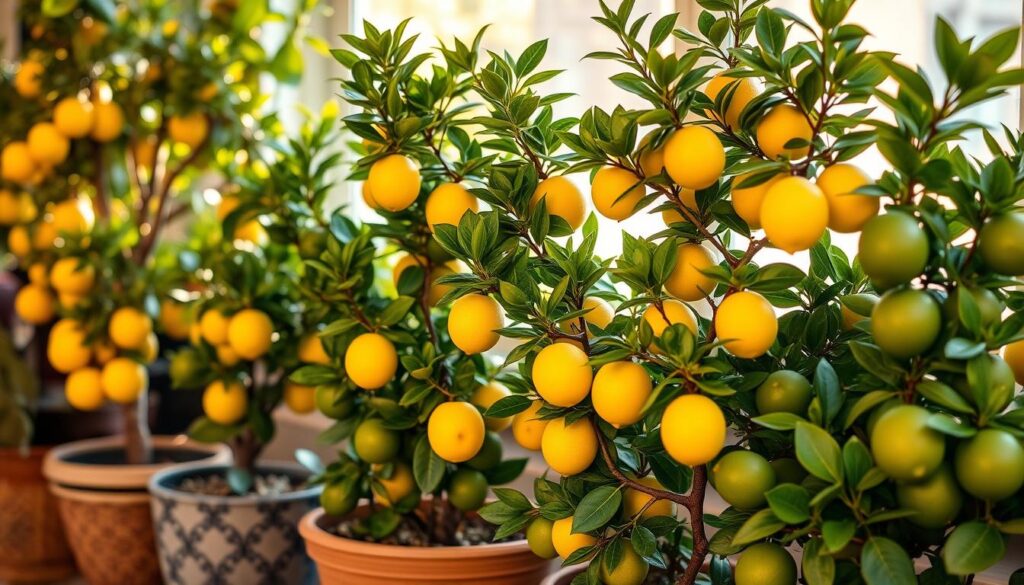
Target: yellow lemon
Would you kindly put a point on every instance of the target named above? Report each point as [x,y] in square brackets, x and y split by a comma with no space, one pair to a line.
[109,121]
[371,361]
[16,162]
[527,429]
[456,431]
[9,208]
[1013,353]
[780,125]
[394,182]
[473,323]
[34,304]
[124,380]
[213,326]
[299,399]
[175,319]
[652,161]
[225,404]
[68,217]
[447,203]
[633,501]
[693,429]
[694,157]
[747,201]
[190,130]
[398,486]
[69,276]
[599,313]
[66,349]
[73,117]
[129,327]
[28,79]
[738,92]
[687,281]
[688,197]
[227,356]
[104,351]
[250,333]
[794,214]
[616,192]
[569,449]
[84,389]
[562,375]
[19,242]
[37,274]
[746,322]
[671,313]
[561,198]
[485,396]
[565,541]
[311,350]
[47,145]
[620,391]
[44,236]
[847,211]
[150,349]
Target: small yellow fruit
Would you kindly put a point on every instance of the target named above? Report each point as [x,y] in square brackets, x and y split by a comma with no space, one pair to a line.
[34,304]
[371,361]
[175,319]
[562,375]
[616,192]
[565,541]
[68,302]
[694,157]
[631,568]
[311,350]
[634,500]
[16,162]
[746,322]
[145,151]
[19,242]
[780,125]
[225,404]
[9,208]
[227,356]
[73,117]
[368,197]
[66,349]
[569,449]
[688,197]
[1013,353]
[687,280]
[527,429]
[250,333]
[398,486]
[150,349]
[84,389]
[485,396]
[671,313]
[652,161]
[190,130]
[456,431]
[104,351]
[300,399]
[124,380]
[621,390]
[28,79]
[599,313]
[447,203]
[747,201]
[37,274]
[739,91]
[109,121]
[474,321]
[693,429]
[47,145]
[68,217]
[45,236]
[847,211]
[561,198]
[129,327]
[394,182]
[213,326]
[794,214]
[68,276]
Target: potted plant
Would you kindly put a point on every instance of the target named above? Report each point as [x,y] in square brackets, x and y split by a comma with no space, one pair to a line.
[871,425]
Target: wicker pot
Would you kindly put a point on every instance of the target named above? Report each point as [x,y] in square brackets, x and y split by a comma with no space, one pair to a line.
[105,507]
[344,561]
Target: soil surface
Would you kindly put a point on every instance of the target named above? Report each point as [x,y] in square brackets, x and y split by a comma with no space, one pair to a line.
[469,531]
[270,484]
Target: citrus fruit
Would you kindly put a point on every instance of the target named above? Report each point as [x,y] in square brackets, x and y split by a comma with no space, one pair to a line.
[213,326]
[68,217]
[742,477]
[299,398]
[490,453]
[693,429]
[620,391]
[45,236]
[332,402]
[399,486]
[903,444]
[311,350]
[406,261]
[599,312]
[565,541]
[672,312]
[394,182]
[70,276]
[778,127]
[893,249]
[990,465]
[675,215]
[633,501]
[47,145]
[1001,243]
[906,322]
[190,129]
[150,349]
[225,404]
[368,197]
[569,449]
[145,150]
[561,374]
[338,499]
[794,214]
[765,563]
[538,536]
[66,348]
[474,321]
[687,280]
[16,163]
[784,391]
[788,470]
[989,306]
[747,201]
[375,443]
[227,356]
[73,117]
[936,501]
[561,198]
[28,79]
[1013,353]
[528,429]
[18,241]
[185,367]
[250,333]
[84,389]
[616,192]
[38,274]
[467,489]
[34,304]
[999,383]
[371,361]
[631,569]
[694,157]
[175,320]
[447,203]
[485,396]
[737,92]
[124,380]
[9,208]
[456,431]
[746,322]
[108,121]
[847,211]
[129,327]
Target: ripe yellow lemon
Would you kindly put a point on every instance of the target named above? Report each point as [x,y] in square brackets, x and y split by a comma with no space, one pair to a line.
[225,404]
[794,214]
[47,145]
[34,304]
[633,501]
[620,391]
[406,261]
[213,326]
[616,192]
[447,203]
[671,313]
[456,431]
[66,349]
[19,242]
[631,568]
[688,197]
[565,541]
[371,361]
[68,217]
[398,486]
[145,151]
[474,321]
[190,130]
[687,281]
[109,121]
[1013,353]
[69,277]
[693,429]
[84,389]
[368,197]
[37,274]
[562,375]
[250,333]
[527,429]
[9,208]
[599,313]
[847,211]
[73,117]
[394,182]
[16,162]
[175,319]
[738,92]
[311,350]
[129,327]
[104,351]
[747,320]
[652,161]
[227,356]
[747,201]
[485,396]
[780,125]
[150,349]
[124,380]
[570,448]
[561,198]
[28,79]
[694,157]
[299,399]
[45,236]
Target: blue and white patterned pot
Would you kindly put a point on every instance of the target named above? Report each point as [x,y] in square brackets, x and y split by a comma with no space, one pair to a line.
[230,540]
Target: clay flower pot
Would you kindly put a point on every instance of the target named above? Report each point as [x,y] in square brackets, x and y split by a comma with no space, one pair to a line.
[32,545]
[344,561]
[231,539]
[105,506]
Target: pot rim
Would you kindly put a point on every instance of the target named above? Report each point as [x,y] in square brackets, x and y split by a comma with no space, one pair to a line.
[158,483]
[313,533]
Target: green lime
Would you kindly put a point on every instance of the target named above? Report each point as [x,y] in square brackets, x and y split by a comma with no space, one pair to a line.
[333,402]
[375,443]
[936,501]
[1001,244]
[489,455]
[538,536]
[784,391]
[338,499]
[765,563]
[990,465]
[467,489]
[906,322]
[742,477]
[904,446]
[893,249]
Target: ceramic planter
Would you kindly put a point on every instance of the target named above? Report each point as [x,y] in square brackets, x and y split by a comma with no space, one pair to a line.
[105,506]
[344,561]
[231,539]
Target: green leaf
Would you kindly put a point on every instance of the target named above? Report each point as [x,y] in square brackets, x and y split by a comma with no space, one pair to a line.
[790,503]
[58,8]
[973,547]
[205,430]
[761,525]
[508,406]
[597,508]
[884,562]
[944,395]
[837,533]
[828,390]
[427,467]
[818,452]
[818,568]
[770,31]
[779,421]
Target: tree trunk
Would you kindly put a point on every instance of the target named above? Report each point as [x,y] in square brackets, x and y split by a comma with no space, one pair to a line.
[245,450]
[138,445]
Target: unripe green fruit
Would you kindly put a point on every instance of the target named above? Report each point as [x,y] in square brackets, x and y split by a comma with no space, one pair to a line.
[936,501]
[338,499]
[742,477]
[467,489]
[990,465]
[989,305]
[375,443]
[489,455]
[784,391]
[765,563]
[538,536]
[906,323]
[904,446]
[1001,244]
[329,400]
[893,249]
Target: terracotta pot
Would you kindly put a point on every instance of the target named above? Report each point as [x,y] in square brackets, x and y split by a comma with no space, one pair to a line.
[32,545]
[344,561]
[564,576]
[231,539]
[105,507]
